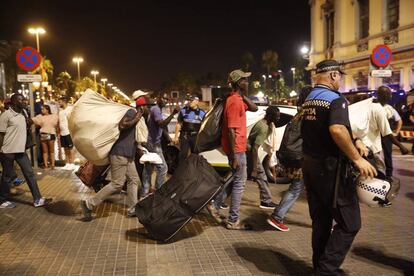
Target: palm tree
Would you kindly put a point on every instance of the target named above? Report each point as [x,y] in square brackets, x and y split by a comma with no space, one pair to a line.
[45,69]
[65,84]
[270,60]
[248,60]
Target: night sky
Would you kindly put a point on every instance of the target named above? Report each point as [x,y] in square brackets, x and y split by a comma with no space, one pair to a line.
[140,44]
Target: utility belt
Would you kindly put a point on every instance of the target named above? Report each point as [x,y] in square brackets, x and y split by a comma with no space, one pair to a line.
[342,169]
[189,133]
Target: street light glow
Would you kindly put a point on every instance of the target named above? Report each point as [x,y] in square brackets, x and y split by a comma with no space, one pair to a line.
[304,50]
[77,59]
[293,69]
[38,30]
[94,72]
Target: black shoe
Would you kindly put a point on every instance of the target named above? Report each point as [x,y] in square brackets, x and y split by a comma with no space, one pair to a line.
[87,213]
[268,205]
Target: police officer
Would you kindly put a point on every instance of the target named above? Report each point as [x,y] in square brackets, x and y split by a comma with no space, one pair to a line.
[189,122]
[328,148]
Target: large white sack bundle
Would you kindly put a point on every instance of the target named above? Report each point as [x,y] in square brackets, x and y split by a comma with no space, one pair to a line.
[359,117]
[93,125]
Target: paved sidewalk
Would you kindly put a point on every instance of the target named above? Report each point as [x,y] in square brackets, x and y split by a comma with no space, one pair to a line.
[50,241]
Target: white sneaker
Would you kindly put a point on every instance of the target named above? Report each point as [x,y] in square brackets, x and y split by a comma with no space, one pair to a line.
[7,205]
[67,167]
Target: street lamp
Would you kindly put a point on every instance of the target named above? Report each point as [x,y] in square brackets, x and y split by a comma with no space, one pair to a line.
[94,73]
[37,31]
[293,69]
[304,50]
[78,60]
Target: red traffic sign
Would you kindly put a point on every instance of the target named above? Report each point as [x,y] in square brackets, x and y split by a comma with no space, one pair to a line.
[28,58]
[381,56]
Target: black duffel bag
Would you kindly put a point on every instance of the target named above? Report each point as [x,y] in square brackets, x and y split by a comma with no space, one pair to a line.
[209,135]
[194,184]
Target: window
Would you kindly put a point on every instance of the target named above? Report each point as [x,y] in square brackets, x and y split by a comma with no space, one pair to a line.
[363,9]
[393,14]
[329,16]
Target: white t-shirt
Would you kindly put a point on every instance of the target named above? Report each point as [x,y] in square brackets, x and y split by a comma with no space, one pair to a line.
[63,120]
[378,126]
[13,124]
[392,113]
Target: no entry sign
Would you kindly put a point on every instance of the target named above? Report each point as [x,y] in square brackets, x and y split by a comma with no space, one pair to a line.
[28,58]
[381,56]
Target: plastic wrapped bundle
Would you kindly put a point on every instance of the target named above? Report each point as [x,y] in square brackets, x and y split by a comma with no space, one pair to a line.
[93,125]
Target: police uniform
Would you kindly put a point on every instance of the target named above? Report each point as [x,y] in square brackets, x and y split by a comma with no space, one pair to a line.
[190,121]
[331,192]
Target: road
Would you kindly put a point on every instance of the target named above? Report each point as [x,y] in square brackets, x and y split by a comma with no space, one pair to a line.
[51,241]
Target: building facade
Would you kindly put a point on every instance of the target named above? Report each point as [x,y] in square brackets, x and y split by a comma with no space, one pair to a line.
[348,31]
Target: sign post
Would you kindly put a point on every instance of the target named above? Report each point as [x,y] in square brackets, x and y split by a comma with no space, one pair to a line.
[28,59]
[380,59]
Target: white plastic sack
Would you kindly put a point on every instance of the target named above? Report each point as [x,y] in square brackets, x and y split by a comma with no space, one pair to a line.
[93,125]
[150,157]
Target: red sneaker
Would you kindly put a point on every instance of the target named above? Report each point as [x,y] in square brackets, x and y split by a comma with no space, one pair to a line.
[277,224]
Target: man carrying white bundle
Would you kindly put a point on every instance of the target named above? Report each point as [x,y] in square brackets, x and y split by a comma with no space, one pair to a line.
[123,168]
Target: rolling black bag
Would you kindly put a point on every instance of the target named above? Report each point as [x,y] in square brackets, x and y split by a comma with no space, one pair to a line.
[194,184]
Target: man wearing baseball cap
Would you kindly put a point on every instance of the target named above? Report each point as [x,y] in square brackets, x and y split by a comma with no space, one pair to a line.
[234,142]
[137,94]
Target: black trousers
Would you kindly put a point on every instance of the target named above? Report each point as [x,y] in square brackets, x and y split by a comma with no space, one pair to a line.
[387,150]
[187,144]
[329,248]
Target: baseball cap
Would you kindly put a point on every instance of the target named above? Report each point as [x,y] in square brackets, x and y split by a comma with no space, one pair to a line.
[238,74]
[329,65]
[138,93]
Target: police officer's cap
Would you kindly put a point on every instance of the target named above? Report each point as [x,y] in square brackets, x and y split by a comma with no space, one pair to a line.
[328,65]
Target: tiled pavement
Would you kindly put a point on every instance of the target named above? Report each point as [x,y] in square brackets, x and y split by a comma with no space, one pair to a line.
[51,241]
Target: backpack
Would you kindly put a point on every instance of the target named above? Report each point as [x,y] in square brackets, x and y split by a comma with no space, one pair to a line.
[290,151]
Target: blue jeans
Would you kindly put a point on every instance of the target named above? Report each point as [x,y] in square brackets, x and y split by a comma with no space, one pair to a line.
[7,161]
[295,188]
[237,188]
[161,169]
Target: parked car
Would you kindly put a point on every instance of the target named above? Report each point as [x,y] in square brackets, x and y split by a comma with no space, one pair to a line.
[218,159]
